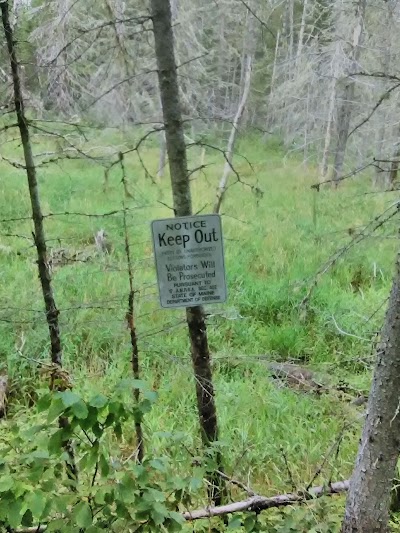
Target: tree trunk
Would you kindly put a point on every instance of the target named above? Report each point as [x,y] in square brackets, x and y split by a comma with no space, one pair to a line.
[347,100]
[37,217]
[331,114]
[176,149]
[382,178]
[232,137]
[394,167]
[368,502]
[270,116]
[247,62]
[301,33]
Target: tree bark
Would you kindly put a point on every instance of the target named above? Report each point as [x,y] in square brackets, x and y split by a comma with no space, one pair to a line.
[37,217]
[368,502]
[176,149]
[347,100]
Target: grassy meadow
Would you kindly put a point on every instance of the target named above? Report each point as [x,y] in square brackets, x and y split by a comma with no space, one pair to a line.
[274,245]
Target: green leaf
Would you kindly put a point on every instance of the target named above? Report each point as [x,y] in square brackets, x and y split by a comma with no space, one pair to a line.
[126,385]
[158,464]
[69,398]
[94,529]
[80,409]
[145,406]
[235,523]
[55,443]
[90,420]
[159,513]
[151,395]
[99,401]
[6,483]
[249,523]
[56,525]
[36,502]
[44,402]
[14,514]
[104,465]
[83,515]
[55,409]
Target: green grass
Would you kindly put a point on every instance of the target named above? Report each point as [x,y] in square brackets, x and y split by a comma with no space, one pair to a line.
[274,246]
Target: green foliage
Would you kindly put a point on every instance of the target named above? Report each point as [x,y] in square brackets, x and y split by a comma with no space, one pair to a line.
[273,249]
[111,492]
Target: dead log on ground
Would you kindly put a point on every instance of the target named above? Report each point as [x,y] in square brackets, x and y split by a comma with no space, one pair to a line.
[260,503]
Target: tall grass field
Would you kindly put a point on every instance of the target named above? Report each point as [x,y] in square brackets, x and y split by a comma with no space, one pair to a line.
[275,437]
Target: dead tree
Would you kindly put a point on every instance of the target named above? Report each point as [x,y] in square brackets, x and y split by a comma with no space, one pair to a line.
[37,217]
[245,91]
[368,502]
[176,150]
[348,92]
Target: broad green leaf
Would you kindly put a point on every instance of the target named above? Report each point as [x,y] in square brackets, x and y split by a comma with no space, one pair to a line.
[69,398]
[80,409]
[14,514]
[94,529]
[151,395]
[83,515]
[172,526]
[6,483]
[44,402]
[235,523]
[56,525]
[55,409]
[55,442]
[153,495]
[98,401]
[36,502]
[249,523]
[159,513]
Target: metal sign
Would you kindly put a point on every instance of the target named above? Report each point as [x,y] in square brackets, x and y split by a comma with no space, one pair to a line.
[189,256]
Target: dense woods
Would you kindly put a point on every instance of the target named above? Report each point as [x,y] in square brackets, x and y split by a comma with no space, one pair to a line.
[275,411]
[322,75]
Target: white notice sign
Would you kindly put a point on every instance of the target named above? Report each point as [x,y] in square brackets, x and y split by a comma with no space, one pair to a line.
[189,257]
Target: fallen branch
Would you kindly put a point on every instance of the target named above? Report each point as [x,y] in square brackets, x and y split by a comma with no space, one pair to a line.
[253,504]
[260,503]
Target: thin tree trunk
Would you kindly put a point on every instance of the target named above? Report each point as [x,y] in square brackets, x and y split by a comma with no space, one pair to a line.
[331,114]
[382,178]
[232,137]
[176,148]
[37,217]
[130,318]
[270,116]
[368,502]
[301,33]
[394,167]
[246,69]
[345,108]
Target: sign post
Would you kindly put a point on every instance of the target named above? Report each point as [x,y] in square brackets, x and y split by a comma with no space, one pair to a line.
[189,256]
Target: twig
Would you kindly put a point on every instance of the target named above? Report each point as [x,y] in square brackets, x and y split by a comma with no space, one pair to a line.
[340,330]
[288,469]
[239,484]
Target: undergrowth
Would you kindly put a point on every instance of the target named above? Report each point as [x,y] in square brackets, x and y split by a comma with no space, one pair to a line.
[275,244]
